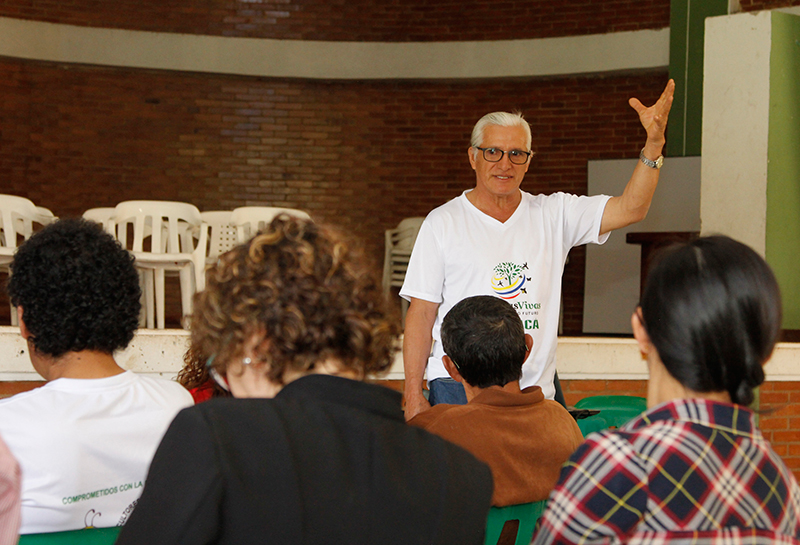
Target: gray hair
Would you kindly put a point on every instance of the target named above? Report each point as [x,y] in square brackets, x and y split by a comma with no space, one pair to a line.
[502,119]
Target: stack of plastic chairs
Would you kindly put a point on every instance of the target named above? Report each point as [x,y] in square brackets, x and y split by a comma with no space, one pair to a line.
[164,240]
[221,234]
[17,216]
[399,243]
[103,216]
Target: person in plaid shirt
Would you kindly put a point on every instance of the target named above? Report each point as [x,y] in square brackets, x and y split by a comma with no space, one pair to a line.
[693,468]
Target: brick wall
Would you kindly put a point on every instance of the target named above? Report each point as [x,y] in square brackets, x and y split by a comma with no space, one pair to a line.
[363,155]
[780,422]
[8,389]
[386,21]
[757,5]
[354,20]
[575,390]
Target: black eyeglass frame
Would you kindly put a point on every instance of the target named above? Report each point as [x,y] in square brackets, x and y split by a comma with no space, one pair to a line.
[527,154]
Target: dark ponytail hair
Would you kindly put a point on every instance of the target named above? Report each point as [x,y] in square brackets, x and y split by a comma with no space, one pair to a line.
[712,309]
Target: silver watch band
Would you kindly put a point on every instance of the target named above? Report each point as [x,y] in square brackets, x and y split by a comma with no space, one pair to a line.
[652,164]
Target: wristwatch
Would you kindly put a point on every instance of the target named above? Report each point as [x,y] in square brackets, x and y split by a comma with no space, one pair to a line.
[652,164]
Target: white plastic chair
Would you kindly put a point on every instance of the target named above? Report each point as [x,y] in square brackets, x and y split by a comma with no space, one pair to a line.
[222,233]
[251,219]
[399,243]
[17,216]
[42,216]
[168,227]
[104,216]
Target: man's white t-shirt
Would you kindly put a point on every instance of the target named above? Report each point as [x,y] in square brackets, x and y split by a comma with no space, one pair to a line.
[461,252]
[85,445]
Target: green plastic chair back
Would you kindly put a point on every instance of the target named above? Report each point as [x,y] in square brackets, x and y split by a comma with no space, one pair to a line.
[591,424]
[89,536]
[526,513]
[615,411]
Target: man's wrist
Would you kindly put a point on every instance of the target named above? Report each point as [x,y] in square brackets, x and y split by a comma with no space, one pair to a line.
[652,164]
[653,150]
[414,394]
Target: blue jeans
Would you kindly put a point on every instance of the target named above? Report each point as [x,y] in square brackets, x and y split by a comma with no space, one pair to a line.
[446,390]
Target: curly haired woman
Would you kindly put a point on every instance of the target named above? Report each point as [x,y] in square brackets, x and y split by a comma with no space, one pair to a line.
[293,323]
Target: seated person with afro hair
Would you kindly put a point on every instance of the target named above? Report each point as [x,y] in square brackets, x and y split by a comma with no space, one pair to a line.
[85,439]
[523,437]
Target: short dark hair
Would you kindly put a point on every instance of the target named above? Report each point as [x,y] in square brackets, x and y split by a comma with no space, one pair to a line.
[78,289]
[484,337]
[712,309]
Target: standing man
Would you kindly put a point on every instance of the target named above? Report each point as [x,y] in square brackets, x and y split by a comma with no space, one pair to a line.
[497,240]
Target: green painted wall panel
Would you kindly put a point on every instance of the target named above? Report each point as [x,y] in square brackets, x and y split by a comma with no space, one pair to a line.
[687,35]
[783,170]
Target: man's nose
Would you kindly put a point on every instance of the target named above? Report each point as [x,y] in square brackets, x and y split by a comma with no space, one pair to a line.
[505,161]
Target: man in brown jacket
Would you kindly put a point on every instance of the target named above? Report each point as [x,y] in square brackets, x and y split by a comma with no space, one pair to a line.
[523,437]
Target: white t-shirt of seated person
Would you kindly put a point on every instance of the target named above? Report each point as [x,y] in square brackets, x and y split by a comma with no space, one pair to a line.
[85,446]
[461,252]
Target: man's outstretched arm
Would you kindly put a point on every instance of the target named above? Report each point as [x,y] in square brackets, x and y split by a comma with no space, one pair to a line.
[417,339]
[633,204]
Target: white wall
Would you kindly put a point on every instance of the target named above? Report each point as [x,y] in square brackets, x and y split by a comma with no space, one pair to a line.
[612,270]
[736,127]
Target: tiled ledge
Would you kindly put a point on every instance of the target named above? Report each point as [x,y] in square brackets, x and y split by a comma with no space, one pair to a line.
[161,353]
[619,358]
[153,352]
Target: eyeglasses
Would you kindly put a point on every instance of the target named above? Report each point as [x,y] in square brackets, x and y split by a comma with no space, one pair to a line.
[516,156]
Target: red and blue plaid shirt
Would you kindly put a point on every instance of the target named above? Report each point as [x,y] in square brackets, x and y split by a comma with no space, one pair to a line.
[688,471]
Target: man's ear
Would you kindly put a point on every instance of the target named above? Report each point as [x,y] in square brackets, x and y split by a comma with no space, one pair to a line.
[471,152]
[640,333]
[23,329]
[528,345]
[451,368]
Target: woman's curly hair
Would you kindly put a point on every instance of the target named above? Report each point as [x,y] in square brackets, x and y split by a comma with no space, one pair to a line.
[195,374]
[77,287]
[301,289]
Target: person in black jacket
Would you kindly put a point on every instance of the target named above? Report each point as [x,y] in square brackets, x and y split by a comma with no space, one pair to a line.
[307,451]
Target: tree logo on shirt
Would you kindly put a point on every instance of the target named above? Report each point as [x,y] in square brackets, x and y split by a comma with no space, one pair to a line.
[509,280]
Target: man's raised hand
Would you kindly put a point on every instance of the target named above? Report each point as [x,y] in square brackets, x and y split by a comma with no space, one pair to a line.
[654,118]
